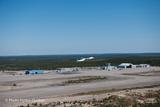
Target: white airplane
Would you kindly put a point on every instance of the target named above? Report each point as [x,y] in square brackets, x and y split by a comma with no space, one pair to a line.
[91,58]
[84,59]
[81,60]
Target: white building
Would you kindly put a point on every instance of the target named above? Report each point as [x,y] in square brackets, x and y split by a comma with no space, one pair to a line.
[126,65]
[67,70]
[142,66]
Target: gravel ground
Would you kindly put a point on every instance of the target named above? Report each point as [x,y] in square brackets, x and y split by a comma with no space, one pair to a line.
[33,87]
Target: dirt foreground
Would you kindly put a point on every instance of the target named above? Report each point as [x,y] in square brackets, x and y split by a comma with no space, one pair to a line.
[18,89]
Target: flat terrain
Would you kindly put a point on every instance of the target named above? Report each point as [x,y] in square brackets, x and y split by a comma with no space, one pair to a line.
[19,89]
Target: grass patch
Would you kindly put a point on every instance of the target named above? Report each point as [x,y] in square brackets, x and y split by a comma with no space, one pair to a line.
[97,92]
[113,90]
[150,73]
[85,79]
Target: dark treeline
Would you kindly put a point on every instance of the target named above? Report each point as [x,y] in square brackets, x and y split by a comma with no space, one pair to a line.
[50,62]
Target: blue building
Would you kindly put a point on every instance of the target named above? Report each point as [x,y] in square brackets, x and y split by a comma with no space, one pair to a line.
[34,72]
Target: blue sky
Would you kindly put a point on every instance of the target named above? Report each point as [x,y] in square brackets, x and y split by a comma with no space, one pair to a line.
[37,27]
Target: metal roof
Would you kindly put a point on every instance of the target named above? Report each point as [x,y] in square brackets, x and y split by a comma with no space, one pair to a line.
[125,64]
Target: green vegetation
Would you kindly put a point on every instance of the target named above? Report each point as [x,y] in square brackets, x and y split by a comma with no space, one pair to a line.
[59,61]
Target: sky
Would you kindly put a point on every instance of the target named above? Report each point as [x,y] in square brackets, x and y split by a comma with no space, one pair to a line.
[48,27]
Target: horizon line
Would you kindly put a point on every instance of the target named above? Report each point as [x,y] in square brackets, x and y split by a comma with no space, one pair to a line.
[82,54]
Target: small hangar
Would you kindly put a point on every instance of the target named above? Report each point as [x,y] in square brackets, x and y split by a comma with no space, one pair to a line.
[130,65]
[126,65]
[34,72]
